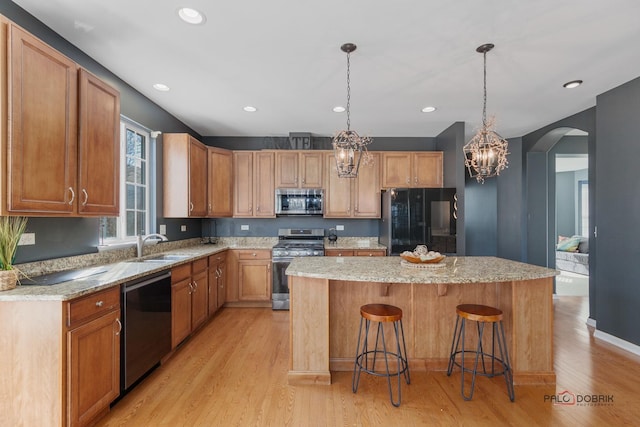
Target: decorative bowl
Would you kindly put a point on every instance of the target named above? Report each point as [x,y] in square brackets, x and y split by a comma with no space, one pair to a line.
[417,260]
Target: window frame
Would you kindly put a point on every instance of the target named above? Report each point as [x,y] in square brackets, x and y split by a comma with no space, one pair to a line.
[149,179]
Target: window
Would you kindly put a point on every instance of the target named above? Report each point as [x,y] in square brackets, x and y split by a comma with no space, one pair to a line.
[135,208]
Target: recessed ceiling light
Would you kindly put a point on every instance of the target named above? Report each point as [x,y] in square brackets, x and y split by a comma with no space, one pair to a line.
[161,87]
[338,109]
[429,109]
[250,109]
[572,84]
[191,16]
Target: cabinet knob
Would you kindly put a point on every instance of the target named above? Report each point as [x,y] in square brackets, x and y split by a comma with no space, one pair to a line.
[408,180]
[99,304]
[253,254]
[86,197]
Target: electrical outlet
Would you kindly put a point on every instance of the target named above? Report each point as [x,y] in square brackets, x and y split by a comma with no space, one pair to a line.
[339,227]
[163,229]
[183,228]
[244,227]
[27,239]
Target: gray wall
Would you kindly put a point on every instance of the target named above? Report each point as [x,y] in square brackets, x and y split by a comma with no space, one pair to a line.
[510,199]
[617,211]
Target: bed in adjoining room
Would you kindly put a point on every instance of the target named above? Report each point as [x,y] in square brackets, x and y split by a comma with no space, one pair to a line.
[572,254]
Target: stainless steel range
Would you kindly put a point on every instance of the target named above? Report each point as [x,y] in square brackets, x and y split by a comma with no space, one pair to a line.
[292,243]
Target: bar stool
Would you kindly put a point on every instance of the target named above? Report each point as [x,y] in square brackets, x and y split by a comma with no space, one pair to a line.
[481,314]
[381,313]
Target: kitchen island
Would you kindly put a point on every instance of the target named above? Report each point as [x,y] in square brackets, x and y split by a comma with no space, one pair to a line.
[327,293]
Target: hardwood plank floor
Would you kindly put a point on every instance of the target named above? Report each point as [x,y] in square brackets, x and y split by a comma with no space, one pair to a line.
[233,373]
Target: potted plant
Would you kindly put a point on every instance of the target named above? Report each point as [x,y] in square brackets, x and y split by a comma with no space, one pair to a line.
[11,229]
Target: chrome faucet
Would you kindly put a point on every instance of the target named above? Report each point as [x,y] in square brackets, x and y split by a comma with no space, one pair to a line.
[141,239]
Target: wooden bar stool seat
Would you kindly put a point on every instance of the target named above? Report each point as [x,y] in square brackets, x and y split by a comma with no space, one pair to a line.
[481,314]
[382,314]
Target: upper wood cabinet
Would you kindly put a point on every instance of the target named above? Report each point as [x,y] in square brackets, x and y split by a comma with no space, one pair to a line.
[353,197]
[99,147]
[184,175]
[49,172]
[253,190]
[220,183]
[299,169]
[412,169]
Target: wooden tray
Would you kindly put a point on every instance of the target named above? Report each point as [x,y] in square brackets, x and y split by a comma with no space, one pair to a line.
[422,265]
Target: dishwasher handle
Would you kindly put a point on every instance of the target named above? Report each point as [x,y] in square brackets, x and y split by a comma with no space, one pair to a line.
[148,281]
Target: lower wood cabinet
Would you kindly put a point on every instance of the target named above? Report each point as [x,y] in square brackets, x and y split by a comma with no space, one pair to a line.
[355,252]
[93,356]
[189,299]
[60,360]
[250,276]
[217,278]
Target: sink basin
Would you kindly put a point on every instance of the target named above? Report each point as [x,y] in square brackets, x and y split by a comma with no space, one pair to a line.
[165,258]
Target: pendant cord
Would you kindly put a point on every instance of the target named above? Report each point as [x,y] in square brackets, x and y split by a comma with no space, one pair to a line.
[484,107]
[348,91]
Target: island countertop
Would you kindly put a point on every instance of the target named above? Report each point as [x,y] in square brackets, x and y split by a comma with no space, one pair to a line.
[455,269]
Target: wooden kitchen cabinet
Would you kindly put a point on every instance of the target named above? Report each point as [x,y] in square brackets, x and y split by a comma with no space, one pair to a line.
[217,278]
[200,292]
[253,191]
[189,299]
[298,169]
[62,143]
[403,169]
[185,176]
[63,365]
[99,147]
[93,358]
[254,275]
[220,183]
[249,278]
[353,197]
[354,252]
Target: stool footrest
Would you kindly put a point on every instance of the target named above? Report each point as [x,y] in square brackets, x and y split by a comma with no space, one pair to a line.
[380,353]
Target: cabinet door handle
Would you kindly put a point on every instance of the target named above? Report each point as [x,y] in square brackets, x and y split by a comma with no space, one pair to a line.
[195,286]
[408,180]
[86,197]
[269,267]
[190,206]
[258,209]
[119,326]
[190,288]
[99,304]
[415,180]
[209,207]
[73,196]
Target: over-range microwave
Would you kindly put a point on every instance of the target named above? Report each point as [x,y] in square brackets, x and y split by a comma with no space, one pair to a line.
[297,201]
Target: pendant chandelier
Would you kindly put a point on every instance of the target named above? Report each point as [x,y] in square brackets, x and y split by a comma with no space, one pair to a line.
[486,153]
[349,148]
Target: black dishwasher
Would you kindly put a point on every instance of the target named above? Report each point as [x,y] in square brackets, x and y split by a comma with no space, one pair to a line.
[146,337]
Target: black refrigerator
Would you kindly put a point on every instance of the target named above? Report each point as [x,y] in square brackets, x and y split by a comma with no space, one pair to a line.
[419,216]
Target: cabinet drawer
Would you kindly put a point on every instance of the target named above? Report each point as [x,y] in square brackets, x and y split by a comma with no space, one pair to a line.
[257,254]
[180,272]
[369,253]
[219,257]
[338,252]
[199,265]
[91,306]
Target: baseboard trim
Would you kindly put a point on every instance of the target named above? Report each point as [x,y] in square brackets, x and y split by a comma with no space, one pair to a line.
[618,342]
[591,322]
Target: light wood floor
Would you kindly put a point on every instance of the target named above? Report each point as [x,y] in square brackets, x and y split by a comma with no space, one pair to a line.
[233,373]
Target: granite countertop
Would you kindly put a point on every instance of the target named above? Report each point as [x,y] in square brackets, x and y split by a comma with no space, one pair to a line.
[389,270]
[126,270]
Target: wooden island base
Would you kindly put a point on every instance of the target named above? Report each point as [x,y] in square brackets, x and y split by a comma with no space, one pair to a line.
[325,316]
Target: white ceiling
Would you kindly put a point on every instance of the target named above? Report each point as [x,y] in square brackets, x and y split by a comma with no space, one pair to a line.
[284,57]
